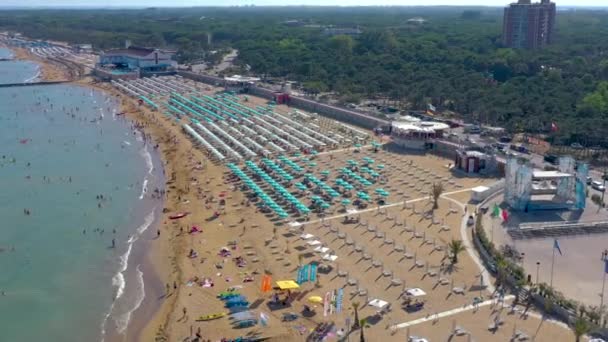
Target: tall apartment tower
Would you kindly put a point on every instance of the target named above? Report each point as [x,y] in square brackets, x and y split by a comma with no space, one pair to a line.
[528,25]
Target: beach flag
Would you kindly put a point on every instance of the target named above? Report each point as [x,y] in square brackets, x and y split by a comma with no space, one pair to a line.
[339,300]
[495,210]
[266,283]
[326,304]
[505,215]
[263,319]
[556,246]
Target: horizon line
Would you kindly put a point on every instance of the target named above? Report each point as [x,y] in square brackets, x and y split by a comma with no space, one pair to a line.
[33,7]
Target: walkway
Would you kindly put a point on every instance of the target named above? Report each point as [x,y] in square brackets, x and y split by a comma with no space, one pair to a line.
[356,212]
[469,246]
[447,313]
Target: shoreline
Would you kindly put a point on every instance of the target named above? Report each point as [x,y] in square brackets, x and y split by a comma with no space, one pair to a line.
[147,324]
[151,266]
[49,71]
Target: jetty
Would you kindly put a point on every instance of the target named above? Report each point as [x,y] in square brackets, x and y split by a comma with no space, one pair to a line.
[28,84]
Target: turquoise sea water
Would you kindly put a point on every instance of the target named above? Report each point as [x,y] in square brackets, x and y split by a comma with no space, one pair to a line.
[61,147]
[16,71]
[5,53]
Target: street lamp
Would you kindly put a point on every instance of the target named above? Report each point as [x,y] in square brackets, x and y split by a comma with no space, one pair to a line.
[605,260]
[537,268]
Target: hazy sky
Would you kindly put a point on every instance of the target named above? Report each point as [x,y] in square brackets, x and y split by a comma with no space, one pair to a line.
[179,3]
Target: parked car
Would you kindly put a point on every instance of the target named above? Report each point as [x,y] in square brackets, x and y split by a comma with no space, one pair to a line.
[589,180]
[576,146]
[598,186]
[550,158]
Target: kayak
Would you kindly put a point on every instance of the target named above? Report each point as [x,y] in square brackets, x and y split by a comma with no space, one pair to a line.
[211,317]
[178,216]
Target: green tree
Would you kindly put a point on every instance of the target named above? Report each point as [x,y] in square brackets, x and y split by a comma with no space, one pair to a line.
[455,247]
[355,306]
[436,192]
[580,328]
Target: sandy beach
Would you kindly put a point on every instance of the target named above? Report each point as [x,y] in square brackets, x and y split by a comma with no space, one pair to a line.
[49,71]
[391,249]
[387,252]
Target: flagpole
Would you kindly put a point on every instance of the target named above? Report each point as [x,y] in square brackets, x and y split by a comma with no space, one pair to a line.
[552,263]
[603,286]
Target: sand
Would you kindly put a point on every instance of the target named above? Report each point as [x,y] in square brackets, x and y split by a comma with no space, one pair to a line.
[374,269]
[191,183]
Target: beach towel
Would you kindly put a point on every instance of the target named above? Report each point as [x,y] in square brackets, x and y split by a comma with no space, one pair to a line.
[313,272]
[332,302]
[263,319]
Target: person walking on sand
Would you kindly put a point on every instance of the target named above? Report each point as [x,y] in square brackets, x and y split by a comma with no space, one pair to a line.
[113,243]
[158,233]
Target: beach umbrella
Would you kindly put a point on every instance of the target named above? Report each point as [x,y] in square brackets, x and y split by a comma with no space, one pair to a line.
[325,205]
[381,166]
[315,299]
[325,172]
[345,201]
[357,145]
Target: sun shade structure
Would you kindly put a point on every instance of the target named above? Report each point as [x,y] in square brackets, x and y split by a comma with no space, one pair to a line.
[377,303]
[287,284]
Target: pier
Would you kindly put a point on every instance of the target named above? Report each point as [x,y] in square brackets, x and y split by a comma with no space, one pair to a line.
[28,84]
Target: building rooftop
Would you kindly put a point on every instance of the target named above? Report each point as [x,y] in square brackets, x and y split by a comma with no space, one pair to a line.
[132,50]
[420,126]
[538,174]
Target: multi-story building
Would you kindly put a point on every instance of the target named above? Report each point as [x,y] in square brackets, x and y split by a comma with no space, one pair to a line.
[528,25]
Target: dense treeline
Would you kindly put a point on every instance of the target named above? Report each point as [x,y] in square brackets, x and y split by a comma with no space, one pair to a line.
[453,60]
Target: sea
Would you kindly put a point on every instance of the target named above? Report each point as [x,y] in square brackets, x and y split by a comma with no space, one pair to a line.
[78,211]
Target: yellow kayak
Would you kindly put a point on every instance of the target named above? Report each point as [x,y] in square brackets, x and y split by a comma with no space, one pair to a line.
[211,317]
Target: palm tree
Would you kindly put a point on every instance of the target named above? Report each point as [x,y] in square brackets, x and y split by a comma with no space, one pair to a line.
[455,247]
[580,328]
[436,191]
[362,323]
[501,269]
[356,308]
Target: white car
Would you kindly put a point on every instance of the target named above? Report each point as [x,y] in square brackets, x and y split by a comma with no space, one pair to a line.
[598,186]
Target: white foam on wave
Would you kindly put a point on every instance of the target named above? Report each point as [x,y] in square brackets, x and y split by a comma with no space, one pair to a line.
[127,143]
[122,321]
[119,280]
[144,188]
[148,220]
[148,158]
[33,78]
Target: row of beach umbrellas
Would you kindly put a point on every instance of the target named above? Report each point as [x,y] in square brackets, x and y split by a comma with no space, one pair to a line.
[285,195]
[277,169]
[258,191]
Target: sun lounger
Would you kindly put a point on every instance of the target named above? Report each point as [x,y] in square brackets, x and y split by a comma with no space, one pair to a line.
[314,243]
[306,236]
[330,257]
[321,249]
[458,290]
